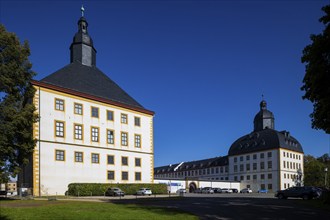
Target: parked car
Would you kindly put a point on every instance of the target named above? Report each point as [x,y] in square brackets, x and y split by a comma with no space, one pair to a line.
[234,190]
[144,191]
[114,192]
[207,190]
[304,192]
[198,190]
[262,191]
[217,190]
[226,190]
[179,191]
[246,190]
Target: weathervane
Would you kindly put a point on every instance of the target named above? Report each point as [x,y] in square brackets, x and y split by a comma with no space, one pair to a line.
[82,10]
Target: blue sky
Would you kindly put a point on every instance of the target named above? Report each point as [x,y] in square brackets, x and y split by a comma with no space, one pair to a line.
[202,66]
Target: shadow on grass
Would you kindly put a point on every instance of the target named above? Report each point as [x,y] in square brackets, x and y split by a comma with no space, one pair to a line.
[3,217]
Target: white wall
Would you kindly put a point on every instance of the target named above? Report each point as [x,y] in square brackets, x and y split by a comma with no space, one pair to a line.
[56,175]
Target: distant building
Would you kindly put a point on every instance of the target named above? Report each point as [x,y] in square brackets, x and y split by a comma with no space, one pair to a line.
[90,130]
[263,159]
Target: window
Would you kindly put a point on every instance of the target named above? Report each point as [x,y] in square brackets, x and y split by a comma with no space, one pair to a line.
[241,158]
[235,168]
[262,176]
[242,178]
[285,176]
[262,155]
[78,109]
[241,167]
[263,186]
[270,186]
[248,167]
[109,115]
[95,112]
[283,154]
[124,161]
[254,166]
[248,177]
[123,118]
[247,157]
[254,156]
[235,159]
[110,137]
[95,158]
[254,177]
[124,139]
[137,121]
[124,175]
[262,165]
[111,175]
[78,156]
[270,165]
[111,159]
[138,176]
[284,164]
[137,162]
[137,138]
[59,129]
[270,176]
[235,178]
[59,104]
[78,132]
[59,155]
[95,134]
[269,154]
[284,185]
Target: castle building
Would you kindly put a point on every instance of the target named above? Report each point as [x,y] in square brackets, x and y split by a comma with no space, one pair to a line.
[89,130]
[263,159]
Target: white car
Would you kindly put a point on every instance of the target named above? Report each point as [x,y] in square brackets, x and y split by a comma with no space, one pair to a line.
[226,190]
[181,191]
[246,190]
[144,191]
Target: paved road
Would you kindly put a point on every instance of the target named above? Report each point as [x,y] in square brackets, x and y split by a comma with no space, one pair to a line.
[237,206]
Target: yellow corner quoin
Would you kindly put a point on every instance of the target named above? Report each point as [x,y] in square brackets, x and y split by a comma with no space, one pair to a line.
[35,154]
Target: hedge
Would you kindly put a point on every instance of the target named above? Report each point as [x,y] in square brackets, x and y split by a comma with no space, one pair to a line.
[98,189]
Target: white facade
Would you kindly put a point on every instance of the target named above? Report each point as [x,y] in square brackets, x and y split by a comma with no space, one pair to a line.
[65,156]
[265,169]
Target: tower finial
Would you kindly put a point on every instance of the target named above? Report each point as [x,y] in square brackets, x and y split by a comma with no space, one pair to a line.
[82,10]
[262,96]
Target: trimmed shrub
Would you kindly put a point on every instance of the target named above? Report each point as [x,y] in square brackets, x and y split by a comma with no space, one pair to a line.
[98,189]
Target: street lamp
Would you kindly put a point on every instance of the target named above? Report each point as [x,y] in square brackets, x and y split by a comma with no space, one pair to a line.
[325,176]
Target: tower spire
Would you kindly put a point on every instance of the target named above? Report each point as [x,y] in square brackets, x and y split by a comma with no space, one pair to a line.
[82,10]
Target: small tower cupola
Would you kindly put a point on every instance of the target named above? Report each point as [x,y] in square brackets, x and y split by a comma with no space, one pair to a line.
[264,119]
[82,49]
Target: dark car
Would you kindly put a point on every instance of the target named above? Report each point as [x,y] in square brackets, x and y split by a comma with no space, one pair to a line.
[217,190]
[304,192]
[234,190]
[114,192]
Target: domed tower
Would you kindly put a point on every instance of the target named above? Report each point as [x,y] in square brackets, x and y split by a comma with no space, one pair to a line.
[264,119]
[82,49]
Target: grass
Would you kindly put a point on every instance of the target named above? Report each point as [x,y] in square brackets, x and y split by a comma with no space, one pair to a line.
[75,210]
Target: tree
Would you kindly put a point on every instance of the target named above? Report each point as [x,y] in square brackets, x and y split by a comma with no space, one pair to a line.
[316,82]
[16,108]
[314,174]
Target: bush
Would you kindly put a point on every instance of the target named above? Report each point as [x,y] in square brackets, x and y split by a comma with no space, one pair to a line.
[98,189]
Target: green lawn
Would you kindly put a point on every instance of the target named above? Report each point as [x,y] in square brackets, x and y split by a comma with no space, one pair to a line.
[71,210]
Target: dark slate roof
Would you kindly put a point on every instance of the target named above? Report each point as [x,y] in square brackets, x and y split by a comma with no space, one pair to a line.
[264,140]
[192,165]
[90,80]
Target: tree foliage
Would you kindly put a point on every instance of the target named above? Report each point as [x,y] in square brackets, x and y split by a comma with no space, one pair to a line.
[316,82]
[314,173]
[16,108]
